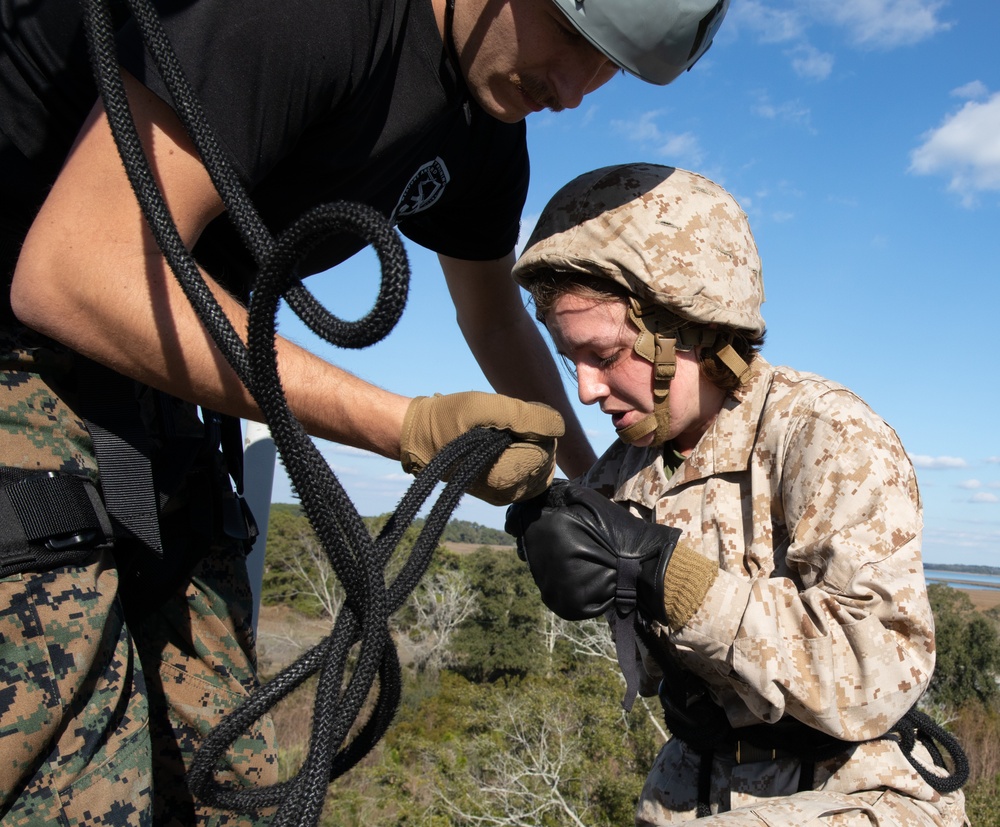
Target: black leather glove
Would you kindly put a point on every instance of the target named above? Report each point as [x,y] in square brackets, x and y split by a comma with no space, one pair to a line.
[588,554]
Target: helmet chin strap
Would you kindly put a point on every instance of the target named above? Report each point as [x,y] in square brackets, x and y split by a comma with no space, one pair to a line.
[658,421]
[658,342]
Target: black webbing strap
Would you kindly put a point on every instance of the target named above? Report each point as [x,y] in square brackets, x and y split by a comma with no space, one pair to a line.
[111,412]
[238,521]
[48,519]
[622,619]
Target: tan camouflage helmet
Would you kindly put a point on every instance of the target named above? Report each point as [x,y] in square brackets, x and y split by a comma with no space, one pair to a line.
[675,241]
[670,236]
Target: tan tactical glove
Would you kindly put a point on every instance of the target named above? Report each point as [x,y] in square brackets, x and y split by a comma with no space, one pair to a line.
[525,469]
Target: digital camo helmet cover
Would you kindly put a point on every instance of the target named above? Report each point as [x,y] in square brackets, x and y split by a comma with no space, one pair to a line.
[671,237]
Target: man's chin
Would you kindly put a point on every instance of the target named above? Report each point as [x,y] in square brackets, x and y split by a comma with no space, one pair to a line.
[508,117]
[505,113]
[509,104]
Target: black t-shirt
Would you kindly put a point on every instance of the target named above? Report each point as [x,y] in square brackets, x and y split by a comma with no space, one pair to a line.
[314,100]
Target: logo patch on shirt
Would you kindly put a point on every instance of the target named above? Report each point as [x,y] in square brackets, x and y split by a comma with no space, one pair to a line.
[424,189]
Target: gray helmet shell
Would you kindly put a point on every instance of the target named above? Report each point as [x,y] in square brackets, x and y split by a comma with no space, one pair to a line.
[671,237]
[655,40]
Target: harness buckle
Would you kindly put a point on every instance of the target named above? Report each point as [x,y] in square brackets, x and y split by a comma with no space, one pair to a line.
[63,543]
[747,753]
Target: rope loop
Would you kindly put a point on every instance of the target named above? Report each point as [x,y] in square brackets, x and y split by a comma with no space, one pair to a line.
[917,726]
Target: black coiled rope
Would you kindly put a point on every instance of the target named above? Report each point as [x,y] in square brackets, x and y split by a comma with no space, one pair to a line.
[358,560]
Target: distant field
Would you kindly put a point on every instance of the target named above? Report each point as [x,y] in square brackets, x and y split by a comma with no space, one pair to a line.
[983,599]
[468,548]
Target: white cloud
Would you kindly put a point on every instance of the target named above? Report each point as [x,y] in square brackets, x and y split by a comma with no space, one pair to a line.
[937,463]
[843,200]
[791,112]
[395,477]
[644,128]
[970,485]
[771,24]
[993,460]
[978,541]
[681,149]
[810,62]
[965,147]
[883,23]
[348,450]
[984,497]
[345,470]
[974,90]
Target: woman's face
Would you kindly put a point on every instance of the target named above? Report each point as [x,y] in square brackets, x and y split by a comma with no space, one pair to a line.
[597,338]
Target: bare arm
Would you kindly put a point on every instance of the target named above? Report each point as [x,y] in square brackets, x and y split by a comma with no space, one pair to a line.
[91,276]
[506,341]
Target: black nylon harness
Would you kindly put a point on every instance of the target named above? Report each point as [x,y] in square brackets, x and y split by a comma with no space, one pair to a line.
[693,717]
[55,518]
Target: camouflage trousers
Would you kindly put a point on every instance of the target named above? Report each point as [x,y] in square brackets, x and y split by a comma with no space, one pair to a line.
[883,808]
[101,706]
[763,794]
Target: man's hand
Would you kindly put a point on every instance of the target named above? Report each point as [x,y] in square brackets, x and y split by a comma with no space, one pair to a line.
[588,554]
[522,471]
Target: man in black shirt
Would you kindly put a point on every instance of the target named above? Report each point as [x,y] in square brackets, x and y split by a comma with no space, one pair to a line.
[411,106]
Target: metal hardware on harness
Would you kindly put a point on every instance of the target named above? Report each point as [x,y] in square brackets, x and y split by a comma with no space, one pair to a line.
[747,753]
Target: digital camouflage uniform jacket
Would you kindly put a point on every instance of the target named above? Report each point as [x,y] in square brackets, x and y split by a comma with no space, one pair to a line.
[808,503]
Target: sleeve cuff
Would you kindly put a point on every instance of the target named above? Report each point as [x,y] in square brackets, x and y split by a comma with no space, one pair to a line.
[688,578]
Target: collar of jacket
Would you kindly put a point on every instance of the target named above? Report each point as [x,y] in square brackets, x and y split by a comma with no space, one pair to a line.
[726,446]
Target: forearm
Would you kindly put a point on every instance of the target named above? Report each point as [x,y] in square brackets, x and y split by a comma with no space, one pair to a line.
[91,276]
[129,313]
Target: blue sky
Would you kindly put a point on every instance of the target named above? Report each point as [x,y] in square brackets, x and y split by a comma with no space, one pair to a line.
[862,137]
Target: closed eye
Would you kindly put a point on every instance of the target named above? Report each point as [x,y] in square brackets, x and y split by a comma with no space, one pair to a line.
[608,361]
[567,29]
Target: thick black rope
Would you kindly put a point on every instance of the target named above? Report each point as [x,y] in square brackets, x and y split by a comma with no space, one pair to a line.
[917,726]
[358,560]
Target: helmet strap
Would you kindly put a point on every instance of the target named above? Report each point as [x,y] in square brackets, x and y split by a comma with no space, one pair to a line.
[731,359]
[657,344]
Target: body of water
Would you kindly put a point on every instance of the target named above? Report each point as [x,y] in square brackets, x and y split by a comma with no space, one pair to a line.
[960,579]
